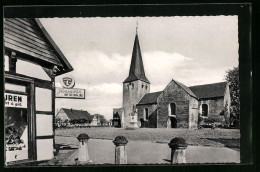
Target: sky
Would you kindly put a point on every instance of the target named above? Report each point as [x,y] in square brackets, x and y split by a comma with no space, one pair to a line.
[192,50]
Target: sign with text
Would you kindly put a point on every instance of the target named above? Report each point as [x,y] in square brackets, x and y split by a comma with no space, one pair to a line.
[15,100]
[73,93]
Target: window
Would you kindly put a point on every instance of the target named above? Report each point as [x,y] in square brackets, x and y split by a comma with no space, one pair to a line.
[146,87]
[133,85]
[204,110]
[172,109]
[142,85]
[146,113]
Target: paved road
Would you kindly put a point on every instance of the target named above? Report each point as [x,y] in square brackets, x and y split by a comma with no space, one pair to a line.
[102,152]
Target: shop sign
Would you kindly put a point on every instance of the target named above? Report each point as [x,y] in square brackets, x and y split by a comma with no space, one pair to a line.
[15,100]
[73,93]
[67,81]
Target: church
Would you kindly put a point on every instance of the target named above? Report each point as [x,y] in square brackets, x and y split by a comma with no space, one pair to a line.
[177,106]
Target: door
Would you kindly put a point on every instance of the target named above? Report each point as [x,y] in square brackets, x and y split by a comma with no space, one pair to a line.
[172,122]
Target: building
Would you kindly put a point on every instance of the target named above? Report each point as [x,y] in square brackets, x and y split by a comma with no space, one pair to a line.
[177,106]
[69,115]
[32,61]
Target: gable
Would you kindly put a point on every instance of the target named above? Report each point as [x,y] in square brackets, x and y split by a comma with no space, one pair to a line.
[209,90]
[29,39]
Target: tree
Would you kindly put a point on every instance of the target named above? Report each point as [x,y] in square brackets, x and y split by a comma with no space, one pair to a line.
[232,78]
[101,119]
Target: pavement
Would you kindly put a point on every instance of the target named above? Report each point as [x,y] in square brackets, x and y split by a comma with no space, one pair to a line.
[140,152]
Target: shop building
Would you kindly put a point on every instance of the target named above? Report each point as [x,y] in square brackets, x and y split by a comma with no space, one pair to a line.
[32,61]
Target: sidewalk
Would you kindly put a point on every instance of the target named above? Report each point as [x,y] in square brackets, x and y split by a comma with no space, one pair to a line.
[102,152]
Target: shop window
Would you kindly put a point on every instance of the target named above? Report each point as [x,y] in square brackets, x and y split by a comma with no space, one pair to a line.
[205,110]
[16,134]
[14,87]
[43,99]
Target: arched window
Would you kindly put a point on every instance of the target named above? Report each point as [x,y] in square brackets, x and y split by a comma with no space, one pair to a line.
[172,109]
[205,109]
[146,115]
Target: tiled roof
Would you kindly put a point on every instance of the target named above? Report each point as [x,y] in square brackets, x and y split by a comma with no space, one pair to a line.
[78,114]
[209,90]
[137,68]
[149,98]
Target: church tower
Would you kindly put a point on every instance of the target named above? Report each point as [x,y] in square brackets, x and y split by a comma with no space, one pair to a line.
[136,85]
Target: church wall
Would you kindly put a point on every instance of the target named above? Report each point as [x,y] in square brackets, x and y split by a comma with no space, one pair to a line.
[215,108]
[173,93]
[193,113]
[152,114]
[132,95]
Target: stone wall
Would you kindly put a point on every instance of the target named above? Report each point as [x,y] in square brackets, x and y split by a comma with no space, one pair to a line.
[193,113]
[173,93]
[131,96]
[215,109]
[151,122]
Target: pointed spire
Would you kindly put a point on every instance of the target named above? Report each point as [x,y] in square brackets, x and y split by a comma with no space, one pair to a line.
[136,27]
[137,68]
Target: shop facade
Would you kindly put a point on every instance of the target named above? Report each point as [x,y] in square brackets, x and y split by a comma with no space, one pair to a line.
[32,61]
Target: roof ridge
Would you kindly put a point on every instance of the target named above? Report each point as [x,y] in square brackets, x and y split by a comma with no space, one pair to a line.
[209,84]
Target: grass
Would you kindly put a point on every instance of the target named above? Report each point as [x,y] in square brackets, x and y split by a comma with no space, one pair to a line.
[203,137]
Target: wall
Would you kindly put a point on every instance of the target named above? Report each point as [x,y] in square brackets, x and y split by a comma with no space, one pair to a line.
[215,108]
[152,114]
[131,96]
[193,113]
[173,93]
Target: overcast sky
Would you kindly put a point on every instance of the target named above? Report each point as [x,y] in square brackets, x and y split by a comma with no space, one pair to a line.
[191,50]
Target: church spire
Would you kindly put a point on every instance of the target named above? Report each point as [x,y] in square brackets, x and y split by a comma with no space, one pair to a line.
[137,68]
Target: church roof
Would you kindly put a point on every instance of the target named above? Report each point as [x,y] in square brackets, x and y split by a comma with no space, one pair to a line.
[137,68]
[149,98]
[209,90]
[77,114]
[185,88]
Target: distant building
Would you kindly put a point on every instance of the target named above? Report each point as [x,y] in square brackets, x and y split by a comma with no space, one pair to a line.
[66,115]
[177,106]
